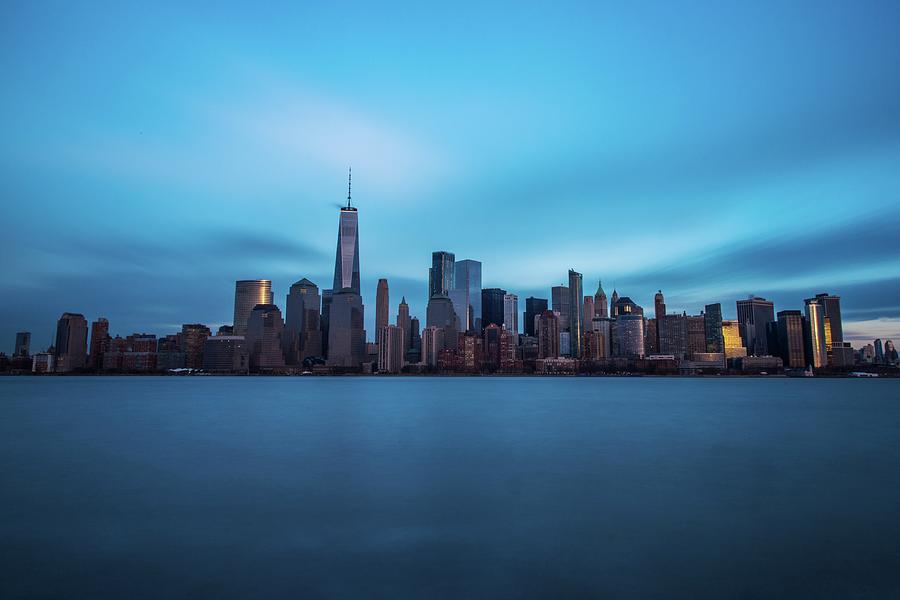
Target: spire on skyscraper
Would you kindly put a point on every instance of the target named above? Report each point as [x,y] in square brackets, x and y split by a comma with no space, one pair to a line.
[349,181]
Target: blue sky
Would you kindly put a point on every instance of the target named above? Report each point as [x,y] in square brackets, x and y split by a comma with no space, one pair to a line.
[154,154]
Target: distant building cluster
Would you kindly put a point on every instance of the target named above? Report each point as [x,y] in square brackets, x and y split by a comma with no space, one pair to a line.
[468,329]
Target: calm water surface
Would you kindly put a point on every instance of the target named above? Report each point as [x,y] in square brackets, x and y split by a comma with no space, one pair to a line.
[449,487]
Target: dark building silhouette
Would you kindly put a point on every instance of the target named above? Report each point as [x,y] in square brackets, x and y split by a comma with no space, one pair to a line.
[442,274]
[492,306]
[225,354]
[548,334]
[576,313]
[71,343]
[712,323]
[559,303]
[302,323]
[753,314]
[533,308]
[791,339]
[23,344]
[264,330]
[382,310]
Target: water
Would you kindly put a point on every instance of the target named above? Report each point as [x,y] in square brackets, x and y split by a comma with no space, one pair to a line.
[449,487]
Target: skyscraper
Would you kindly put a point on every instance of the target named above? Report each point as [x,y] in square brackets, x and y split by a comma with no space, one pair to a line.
[511,312]
[390,349]
[816,352]
[99,342]
[601,306]
[403,322]
[879,352]
[432,345]
[712,323]
[755,312]
[192,338]
[576,314]
[559,302]
[832,306]
[791,339]
[382,310]
[588,312]
[71,342]
[247,294]
[468,286]
[23,344]
[629,335]
[346,312]
[533,308]
[302,323]
[548,334]
[659,311]
[442,274]
[440,313]
[346,260]
[264,329]
[612,303]
[492,306]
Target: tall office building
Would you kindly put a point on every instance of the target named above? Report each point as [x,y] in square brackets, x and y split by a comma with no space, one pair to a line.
[732,339]
[99,342]
[511,313]
[696,334]
[816,352]
[753,315]
[264,329]
[588,312]
[191,340]
[791,339]
[629,335]
[468,292]
[442,274]
[491,346]
[492,306]
[832,306]
[327,295]
[548,334]
[612,303]
[404,323]
[390,349]
[559,302]
[415,338]
[601,306]
[382,309]
[712,323]
[71,342]
[247,294]
[346,312]
[576,314]
[302,323]
[432,345]
[604,327]
[533,308]
[672,333]
[879,352]
[659,311]
[23,344]
[440,313]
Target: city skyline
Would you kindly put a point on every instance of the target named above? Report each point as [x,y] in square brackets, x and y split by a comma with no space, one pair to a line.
[601,138]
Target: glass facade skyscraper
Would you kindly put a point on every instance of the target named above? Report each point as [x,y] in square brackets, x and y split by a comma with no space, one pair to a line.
[467,292]
[442,274]
[576,312]
[247,294]
[753,315]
